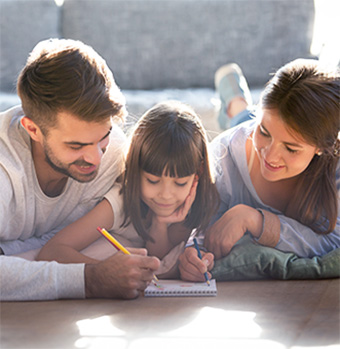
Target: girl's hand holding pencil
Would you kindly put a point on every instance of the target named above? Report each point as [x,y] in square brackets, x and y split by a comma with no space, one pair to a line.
[192,267]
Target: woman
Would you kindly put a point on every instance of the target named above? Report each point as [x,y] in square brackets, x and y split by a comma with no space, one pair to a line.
[279,175]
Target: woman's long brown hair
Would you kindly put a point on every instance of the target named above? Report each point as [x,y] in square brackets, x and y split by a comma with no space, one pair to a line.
[306,95]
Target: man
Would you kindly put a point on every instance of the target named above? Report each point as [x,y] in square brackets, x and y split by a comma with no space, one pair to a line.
[60,154]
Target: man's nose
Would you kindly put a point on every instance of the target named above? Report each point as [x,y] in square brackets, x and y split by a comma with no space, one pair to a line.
[94,154]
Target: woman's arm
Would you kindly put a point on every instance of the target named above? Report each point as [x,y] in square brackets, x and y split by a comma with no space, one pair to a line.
[268,229]
[303,241]
[64,247]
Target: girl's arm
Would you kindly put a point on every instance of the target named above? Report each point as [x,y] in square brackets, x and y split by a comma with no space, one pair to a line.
[165,237]
[159,233]
[64,247]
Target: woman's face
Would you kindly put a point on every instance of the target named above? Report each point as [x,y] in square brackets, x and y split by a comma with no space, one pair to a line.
[282,152]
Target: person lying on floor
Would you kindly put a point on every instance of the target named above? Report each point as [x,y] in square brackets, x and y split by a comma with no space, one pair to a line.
[278,175]
[61,151]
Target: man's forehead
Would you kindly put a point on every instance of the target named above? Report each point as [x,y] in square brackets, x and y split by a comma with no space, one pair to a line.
[70,128]
[67,119]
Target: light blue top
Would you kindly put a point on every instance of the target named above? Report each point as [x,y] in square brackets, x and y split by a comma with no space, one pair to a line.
[235,187]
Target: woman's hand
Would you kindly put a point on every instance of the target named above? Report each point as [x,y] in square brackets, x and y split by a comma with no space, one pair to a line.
[230,228]
[192,268]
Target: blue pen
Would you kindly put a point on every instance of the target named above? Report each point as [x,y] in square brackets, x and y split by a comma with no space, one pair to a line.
[200,256]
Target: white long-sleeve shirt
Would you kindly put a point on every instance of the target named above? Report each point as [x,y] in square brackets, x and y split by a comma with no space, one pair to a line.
[23,280]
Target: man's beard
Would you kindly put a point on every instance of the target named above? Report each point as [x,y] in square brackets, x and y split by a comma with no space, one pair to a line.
[65,168]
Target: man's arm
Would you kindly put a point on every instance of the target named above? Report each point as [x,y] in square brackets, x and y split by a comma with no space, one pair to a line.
[120,276]
[23,280]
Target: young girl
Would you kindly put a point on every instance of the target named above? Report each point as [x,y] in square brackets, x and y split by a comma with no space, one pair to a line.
[167,190]
[279,175]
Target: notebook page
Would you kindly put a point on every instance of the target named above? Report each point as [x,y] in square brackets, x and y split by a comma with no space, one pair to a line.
[179,288]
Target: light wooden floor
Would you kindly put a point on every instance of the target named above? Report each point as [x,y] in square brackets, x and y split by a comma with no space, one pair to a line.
[256,314]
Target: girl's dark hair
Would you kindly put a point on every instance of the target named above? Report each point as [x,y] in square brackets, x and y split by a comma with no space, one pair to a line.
[306,96]
[66,75]
[170,139]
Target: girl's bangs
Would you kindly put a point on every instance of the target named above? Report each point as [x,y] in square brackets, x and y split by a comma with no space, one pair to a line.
[173,159]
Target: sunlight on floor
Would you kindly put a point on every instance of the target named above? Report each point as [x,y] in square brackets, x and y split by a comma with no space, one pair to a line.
[236,329]
[100,326]
[100,333]
[225,324]
[196,343]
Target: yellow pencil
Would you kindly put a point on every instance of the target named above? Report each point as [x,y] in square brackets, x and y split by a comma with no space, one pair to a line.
[113,241]
[116,243]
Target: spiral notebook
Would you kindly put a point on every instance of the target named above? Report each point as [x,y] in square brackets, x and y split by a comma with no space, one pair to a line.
[178,288]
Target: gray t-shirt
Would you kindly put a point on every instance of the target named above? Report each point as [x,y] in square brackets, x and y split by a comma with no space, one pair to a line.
[29,218]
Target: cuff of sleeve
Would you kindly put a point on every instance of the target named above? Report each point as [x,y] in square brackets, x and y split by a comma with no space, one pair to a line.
[202,248]
[270,234]
[71,281]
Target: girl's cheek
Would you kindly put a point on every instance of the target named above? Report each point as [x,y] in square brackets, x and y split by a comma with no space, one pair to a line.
[187,192]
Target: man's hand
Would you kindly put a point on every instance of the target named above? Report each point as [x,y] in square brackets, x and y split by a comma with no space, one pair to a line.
[120,276]
[192,268]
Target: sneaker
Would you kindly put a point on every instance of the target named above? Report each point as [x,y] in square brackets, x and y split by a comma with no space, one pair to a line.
[230,83]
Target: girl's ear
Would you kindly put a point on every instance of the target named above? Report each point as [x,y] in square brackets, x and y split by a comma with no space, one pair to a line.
[31,128]
[201,169]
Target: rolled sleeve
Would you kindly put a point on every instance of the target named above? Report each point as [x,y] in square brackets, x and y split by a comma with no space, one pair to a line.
[270,234]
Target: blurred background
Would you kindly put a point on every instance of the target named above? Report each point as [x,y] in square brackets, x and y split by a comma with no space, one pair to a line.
[170,49]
